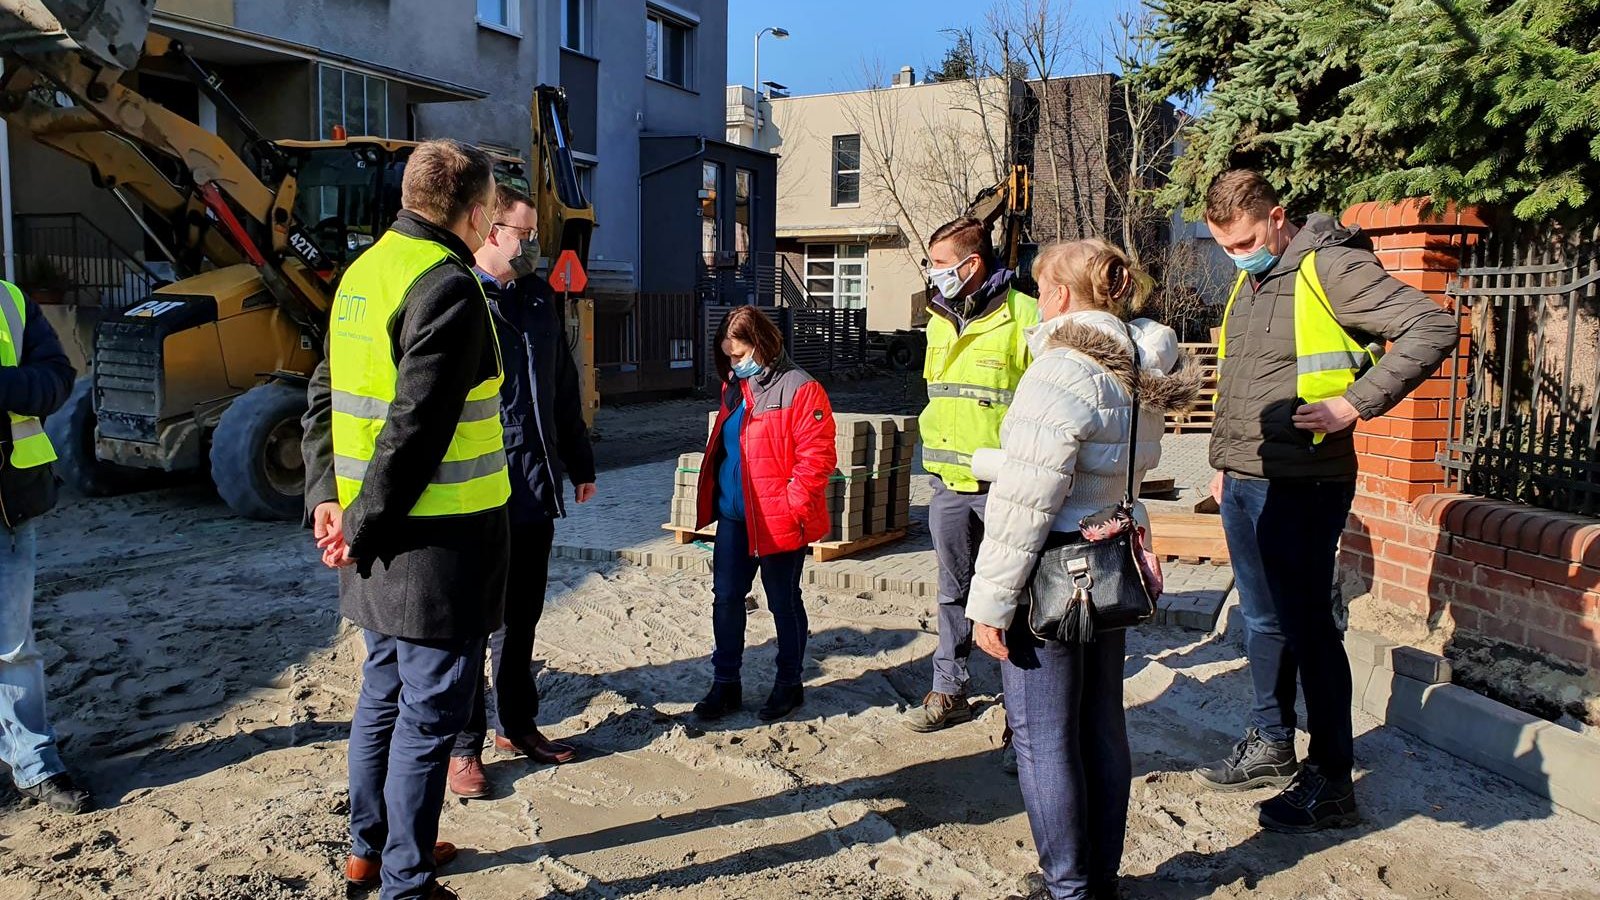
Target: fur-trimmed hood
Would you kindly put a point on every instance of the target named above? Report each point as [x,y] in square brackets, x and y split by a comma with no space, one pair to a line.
[1169,379]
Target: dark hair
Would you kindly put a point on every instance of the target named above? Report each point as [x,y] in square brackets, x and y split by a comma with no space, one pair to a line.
[1239,191]
[750,325]
[969,236]
[506,197]
[443,178]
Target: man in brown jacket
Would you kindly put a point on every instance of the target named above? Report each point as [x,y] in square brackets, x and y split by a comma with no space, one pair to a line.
[1299,368]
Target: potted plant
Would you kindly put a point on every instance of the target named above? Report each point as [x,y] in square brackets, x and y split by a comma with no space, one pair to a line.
[42,280]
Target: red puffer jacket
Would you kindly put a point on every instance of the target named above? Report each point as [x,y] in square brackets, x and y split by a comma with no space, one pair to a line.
[787,442]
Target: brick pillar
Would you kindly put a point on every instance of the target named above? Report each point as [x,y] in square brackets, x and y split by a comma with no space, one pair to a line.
[1421,245]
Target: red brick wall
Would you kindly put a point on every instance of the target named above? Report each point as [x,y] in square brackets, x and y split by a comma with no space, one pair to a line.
[1498,571]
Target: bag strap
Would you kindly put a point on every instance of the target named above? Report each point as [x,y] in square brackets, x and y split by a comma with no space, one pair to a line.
[1133,429]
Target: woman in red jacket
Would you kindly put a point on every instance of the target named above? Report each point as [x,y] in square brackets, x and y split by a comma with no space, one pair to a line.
[766,468]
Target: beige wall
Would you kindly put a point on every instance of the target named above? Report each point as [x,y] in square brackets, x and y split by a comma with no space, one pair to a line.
[926,150]
[218,11]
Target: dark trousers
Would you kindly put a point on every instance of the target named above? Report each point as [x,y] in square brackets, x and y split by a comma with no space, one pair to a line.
[733,571]
[1064,704]
[516,698]
[414,700]
[955,521]
[1283,537]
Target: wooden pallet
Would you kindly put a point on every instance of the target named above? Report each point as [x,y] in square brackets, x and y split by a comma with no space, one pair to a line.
[1199,419]
[1189,537]
[821,551]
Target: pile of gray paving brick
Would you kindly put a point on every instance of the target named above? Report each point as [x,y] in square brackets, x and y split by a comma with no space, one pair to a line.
[869,493]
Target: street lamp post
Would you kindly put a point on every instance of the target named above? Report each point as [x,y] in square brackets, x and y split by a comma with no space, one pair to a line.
[755,82]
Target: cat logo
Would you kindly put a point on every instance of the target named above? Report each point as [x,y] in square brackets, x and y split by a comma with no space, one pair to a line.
[152,308]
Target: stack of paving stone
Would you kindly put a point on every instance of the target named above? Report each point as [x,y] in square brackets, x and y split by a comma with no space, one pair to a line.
[686,490]
[868,493]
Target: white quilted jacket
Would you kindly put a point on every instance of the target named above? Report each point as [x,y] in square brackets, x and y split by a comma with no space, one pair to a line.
[1064,441]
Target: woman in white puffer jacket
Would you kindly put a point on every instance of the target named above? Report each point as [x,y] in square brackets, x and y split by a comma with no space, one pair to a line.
[1062,456]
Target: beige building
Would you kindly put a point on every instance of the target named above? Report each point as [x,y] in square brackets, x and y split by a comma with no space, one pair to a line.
[865,176]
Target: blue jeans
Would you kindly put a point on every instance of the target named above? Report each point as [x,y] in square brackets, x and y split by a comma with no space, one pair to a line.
[733,571]
[415,698]
[1064,705]
[1283,537]
[27,743]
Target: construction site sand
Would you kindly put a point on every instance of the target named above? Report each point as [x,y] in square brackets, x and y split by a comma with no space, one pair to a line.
[203,682]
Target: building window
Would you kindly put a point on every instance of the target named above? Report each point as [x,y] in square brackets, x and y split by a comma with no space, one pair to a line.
[710,187]
[846,169]
[743,187]
[504,15]
[668,48]
[359,103]
[577,18]
[586,181]
[836,274]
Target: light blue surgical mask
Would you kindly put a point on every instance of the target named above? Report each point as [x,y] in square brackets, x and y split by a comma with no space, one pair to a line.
[1257,261]
[747,367]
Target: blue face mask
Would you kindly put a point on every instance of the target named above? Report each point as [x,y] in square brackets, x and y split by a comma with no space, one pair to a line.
[747,367]
[1256,261]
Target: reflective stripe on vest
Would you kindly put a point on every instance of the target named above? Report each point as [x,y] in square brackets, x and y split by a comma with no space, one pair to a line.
[972,379]
[473,476]
[29,445]
[1327,359]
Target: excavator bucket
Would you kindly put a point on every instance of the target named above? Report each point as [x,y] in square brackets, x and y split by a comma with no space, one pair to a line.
[110,32]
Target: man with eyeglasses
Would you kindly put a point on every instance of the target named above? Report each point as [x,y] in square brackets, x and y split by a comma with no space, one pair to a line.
[546,441]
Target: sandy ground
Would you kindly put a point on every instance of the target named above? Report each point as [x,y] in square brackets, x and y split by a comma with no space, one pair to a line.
[203,685]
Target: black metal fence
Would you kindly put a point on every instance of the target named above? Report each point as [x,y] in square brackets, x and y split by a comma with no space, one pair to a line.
[1523,416]
[65,258]
[821,340]
[763,279]
[649,347]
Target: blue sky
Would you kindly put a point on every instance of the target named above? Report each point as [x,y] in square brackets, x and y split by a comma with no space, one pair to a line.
[830,39]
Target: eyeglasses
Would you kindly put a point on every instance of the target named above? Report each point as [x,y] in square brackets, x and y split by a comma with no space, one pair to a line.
[524,233]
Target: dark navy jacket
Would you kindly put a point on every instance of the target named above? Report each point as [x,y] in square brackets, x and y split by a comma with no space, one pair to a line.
[541,406]
[38,386]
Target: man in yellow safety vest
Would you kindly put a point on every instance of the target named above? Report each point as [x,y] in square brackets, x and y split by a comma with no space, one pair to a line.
[35,380]
[977,352]
[406,484]
[1297,373]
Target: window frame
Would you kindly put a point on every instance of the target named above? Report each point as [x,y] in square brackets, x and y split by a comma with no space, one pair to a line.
[585,26]
[661,20]
[833,182]
[324,130]
[512,26]
[828,269]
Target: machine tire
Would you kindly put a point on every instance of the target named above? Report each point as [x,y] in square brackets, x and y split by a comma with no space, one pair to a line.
[71,430]
[905,352]
[255,452]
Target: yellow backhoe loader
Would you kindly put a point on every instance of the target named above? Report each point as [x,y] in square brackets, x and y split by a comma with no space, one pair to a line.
[211,369]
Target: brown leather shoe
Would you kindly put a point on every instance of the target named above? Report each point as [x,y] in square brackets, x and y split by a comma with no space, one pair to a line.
[364,872]
[537,747]
[467,778]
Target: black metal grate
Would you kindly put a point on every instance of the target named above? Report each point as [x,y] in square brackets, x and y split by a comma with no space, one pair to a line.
[1523,419]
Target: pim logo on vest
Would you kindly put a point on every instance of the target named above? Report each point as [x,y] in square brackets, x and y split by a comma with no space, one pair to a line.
[350,307]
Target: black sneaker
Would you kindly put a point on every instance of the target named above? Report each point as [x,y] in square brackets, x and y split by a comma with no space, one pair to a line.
[785,699]
[60,793]
[1255,762]
[1311,803]
[724,697]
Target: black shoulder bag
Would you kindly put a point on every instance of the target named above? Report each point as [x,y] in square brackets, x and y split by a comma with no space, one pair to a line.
[1096,580]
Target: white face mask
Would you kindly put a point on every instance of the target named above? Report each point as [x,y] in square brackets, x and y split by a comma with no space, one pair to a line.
[948,282]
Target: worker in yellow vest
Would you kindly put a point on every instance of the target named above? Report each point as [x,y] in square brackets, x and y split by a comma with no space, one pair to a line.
[1296,375]
[406,484]
[977,351]
[35,380]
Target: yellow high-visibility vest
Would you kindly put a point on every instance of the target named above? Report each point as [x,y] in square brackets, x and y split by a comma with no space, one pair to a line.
[1328,360]
[972,377]
[29,445]
[472,476]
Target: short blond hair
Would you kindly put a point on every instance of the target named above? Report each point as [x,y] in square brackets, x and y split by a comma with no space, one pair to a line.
[1097,274]
[444,178]
[1239,192]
